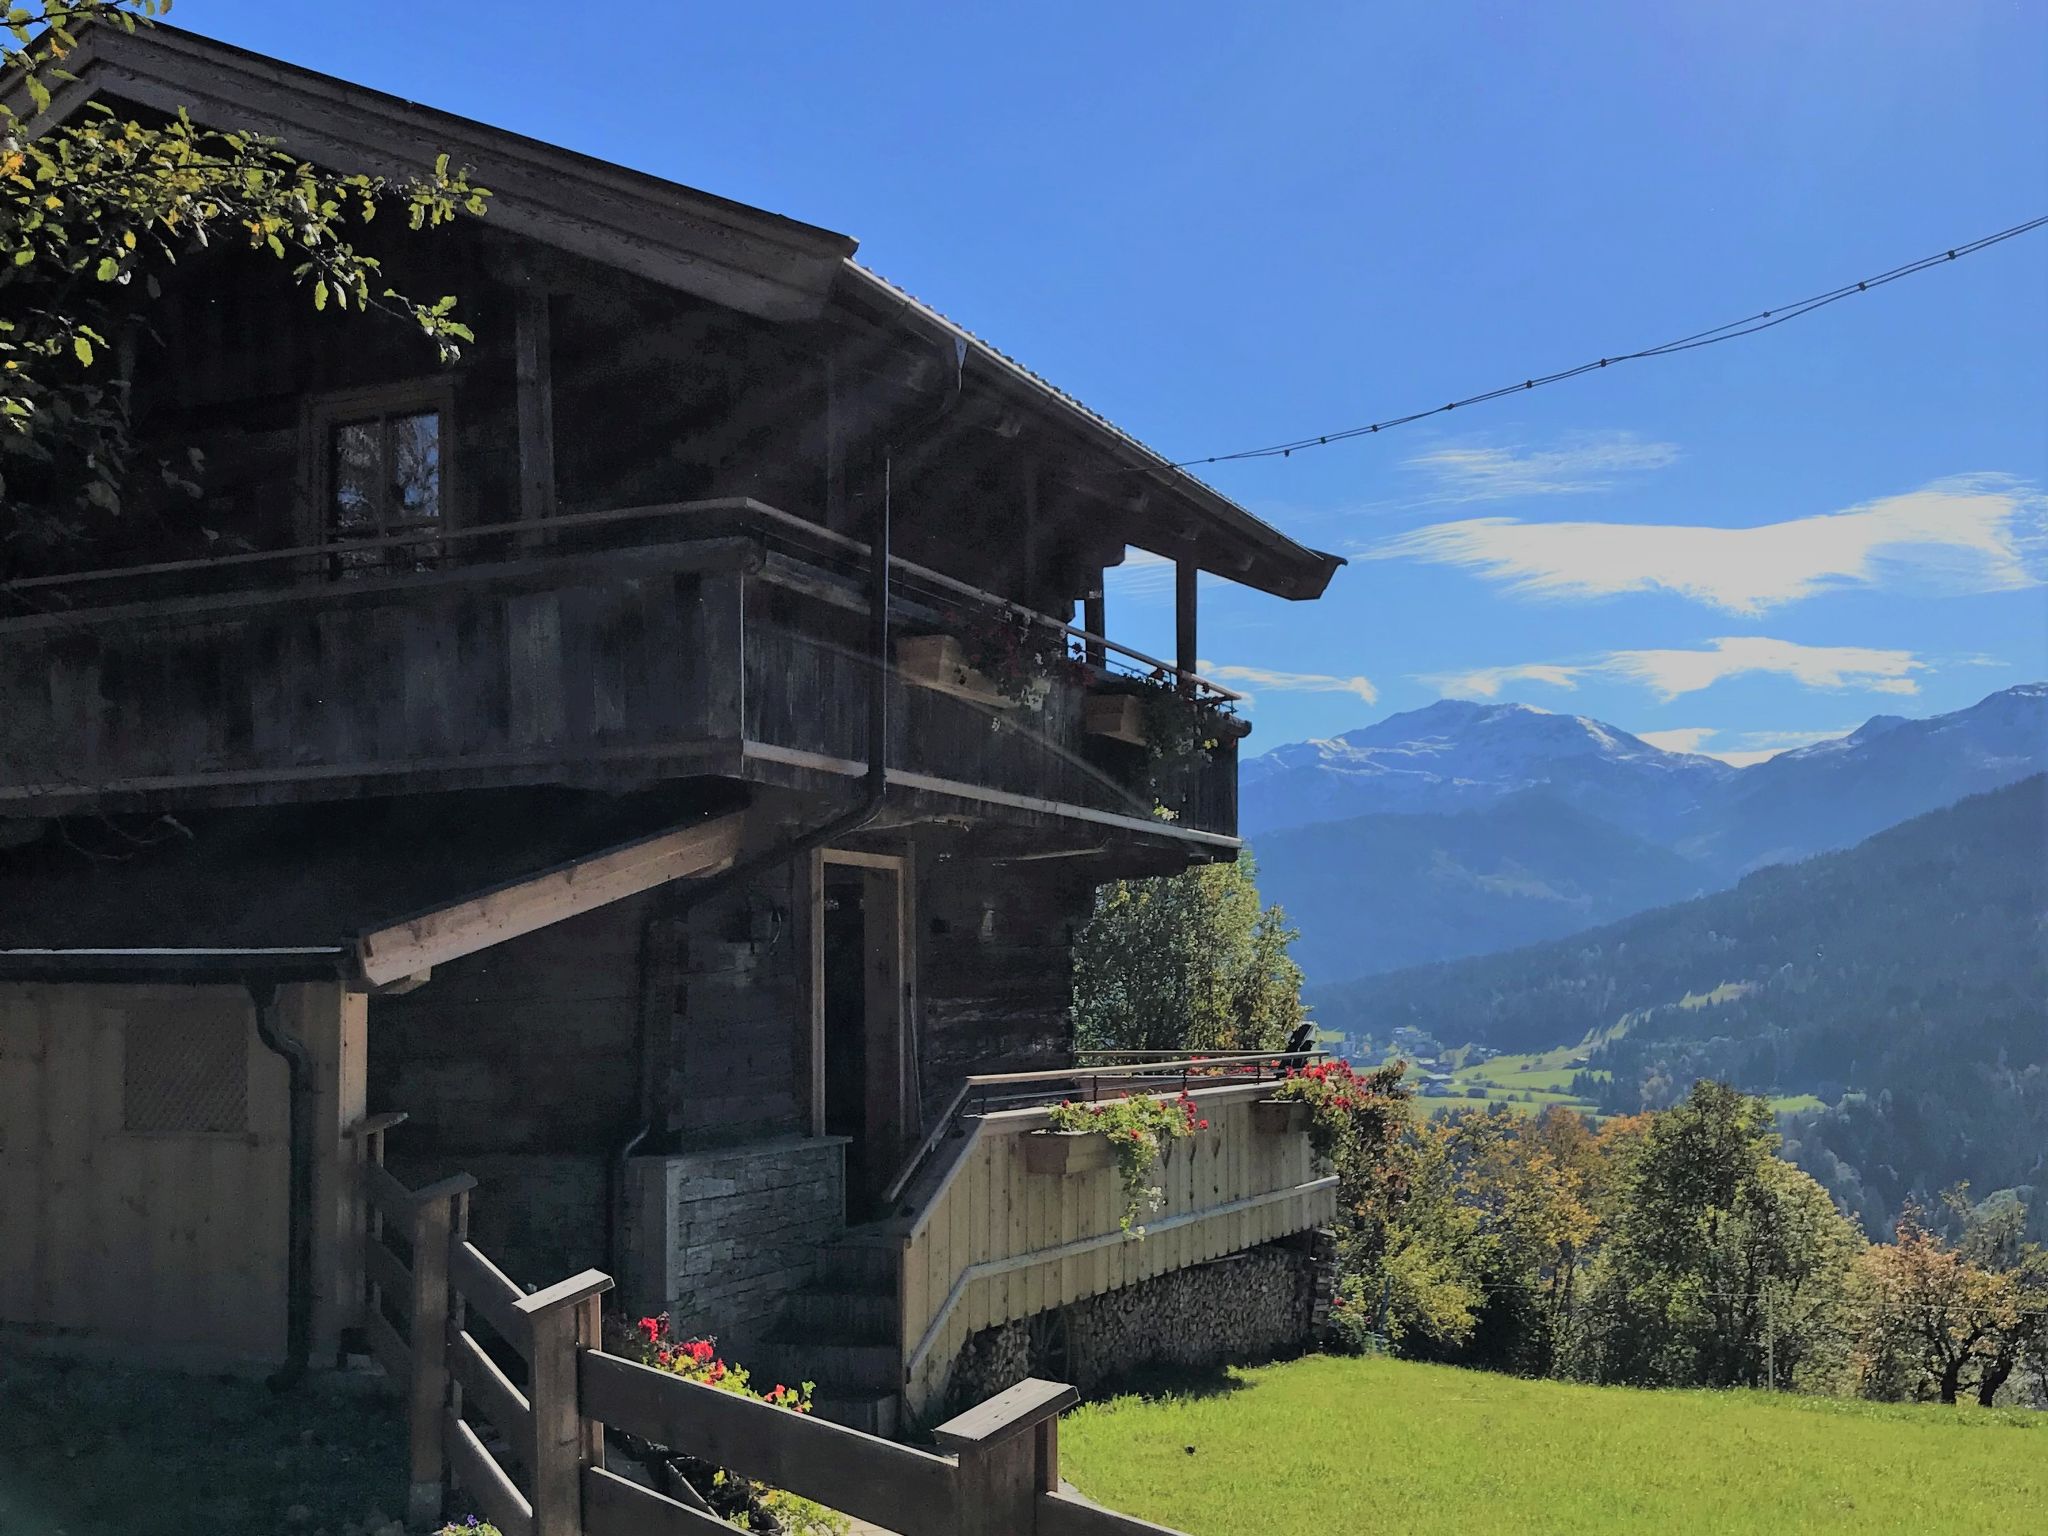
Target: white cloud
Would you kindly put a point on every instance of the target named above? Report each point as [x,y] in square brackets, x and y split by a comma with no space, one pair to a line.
[1673,673]
[1687,738]
[1980,533]
[1581,464]
[1487,682]
[1142,575]
[1249,679]
[1757,746]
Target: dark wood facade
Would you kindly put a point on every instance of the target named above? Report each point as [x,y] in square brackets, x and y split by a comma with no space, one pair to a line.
[632,550]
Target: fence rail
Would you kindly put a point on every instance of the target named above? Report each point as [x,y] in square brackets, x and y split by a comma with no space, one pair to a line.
[531,1456]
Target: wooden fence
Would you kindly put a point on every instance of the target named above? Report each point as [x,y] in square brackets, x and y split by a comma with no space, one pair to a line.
[531,1456]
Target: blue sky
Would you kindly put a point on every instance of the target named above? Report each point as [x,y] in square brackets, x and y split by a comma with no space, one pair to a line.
[1224,225]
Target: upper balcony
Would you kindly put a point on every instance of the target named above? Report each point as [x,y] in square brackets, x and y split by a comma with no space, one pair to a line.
[604,649]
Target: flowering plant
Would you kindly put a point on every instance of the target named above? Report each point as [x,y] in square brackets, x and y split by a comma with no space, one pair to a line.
[1181,730]
[739,1500]
[1347,1109]
[1138,1130]
[1019,655]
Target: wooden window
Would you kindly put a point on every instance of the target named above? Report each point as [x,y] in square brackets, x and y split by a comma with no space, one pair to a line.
[186,1074]
[380,469]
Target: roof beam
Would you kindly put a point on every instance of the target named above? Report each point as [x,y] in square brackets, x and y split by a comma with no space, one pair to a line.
[403,949]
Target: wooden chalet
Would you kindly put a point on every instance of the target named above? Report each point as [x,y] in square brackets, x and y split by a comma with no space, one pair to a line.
[572,751]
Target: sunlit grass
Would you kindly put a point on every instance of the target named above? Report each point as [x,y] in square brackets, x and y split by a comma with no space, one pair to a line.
[1328,1445]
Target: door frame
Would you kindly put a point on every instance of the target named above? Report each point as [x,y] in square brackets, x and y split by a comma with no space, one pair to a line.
[891,970]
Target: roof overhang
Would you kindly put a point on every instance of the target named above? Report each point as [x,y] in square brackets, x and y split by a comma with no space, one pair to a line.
[306,893]
[1219,534]
[744,258]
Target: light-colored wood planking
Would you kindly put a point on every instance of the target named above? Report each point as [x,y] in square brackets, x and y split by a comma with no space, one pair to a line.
[989,1215]
[171,1242]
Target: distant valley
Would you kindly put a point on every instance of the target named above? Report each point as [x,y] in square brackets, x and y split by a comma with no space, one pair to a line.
[1899,988]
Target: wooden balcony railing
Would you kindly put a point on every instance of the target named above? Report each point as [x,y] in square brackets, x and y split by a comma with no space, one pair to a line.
[707,638]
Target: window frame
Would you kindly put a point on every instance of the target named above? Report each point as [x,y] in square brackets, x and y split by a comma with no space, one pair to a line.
[325,413]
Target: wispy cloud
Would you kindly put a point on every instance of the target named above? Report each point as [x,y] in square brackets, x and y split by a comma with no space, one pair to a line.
[1487,682]
[1981,533]
[1580,464]
[1688,738]
[1143,574]
[1757,746]
[1673,673]
[1251,680]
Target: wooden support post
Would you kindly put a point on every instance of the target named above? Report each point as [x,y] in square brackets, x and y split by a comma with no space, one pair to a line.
[837,516]
[1094,619]
[432,1222]
[560,1320]
[534,382]
[1009,1454]
[1185,644]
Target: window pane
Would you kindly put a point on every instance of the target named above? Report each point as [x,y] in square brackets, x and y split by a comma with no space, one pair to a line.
[386,478]
[416,467]
[358,460]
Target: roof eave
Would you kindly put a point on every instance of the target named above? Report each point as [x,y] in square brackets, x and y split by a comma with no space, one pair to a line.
[1279,565]
[746,258]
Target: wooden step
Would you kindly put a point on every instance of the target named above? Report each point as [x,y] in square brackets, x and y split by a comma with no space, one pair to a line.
[840,1316]
[838,1367]
[860,1264]
[878,1414]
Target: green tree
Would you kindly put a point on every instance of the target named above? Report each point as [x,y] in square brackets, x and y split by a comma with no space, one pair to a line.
[1943,1318]
[96,208]
[1724,1265]
[1186,962]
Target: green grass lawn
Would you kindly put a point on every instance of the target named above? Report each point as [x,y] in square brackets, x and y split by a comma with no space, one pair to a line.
[96,1450]
[1327,1445]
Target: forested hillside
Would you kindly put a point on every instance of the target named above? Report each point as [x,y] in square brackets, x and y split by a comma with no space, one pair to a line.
[1439,886]
[1904,982]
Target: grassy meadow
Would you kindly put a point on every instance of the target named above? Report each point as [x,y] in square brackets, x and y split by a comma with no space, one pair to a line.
[1326,1445]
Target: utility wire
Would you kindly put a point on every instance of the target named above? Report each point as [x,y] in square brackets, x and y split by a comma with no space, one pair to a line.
[1749,325]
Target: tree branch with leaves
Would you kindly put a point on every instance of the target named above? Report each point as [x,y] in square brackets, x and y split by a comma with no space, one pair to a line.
[95,207]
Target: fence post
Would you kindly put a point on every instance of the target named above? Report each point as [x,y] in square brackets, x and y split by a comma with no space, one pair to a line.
[1009,1454]
[433,1219]
[560,1320]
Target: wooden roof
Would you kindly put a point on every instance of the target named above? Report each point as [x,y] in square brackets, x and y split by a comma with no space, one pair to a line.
[745,258]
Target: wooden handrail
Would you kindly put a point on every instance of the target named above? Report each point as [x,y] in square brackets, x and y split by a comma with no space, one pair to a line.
[621,516]
[941,1126]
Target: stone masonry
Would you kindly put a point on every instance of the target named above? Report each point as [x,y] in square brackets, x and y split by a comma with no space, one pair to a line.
[717,1239]
[1250,1306]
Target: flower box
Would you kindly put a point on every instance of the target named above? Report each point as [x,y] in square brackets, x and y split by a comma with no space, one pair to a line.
[1119,716]
[1059,1153]
[1280,1117]
[938,662]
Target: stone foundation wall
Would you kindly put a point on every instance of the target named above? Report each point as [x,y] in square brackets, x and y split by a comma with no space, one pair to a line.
[1256,1305]
[717,1239]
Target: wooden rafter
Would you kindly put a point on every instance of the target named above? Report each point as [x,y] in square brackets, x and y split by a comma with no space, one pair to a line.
[491,917]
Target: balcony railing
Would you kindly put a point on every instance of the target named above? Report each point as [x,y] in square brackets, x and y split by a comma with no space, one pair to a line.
[605,648]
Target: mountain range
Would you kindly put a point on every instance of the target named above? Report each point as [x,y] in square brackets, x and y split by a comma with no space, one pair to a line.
[1902,984]
[1465,828]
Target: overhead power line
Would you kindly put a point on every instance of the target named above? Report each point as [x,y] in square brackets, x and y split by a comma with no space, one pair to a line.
[1749,325]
